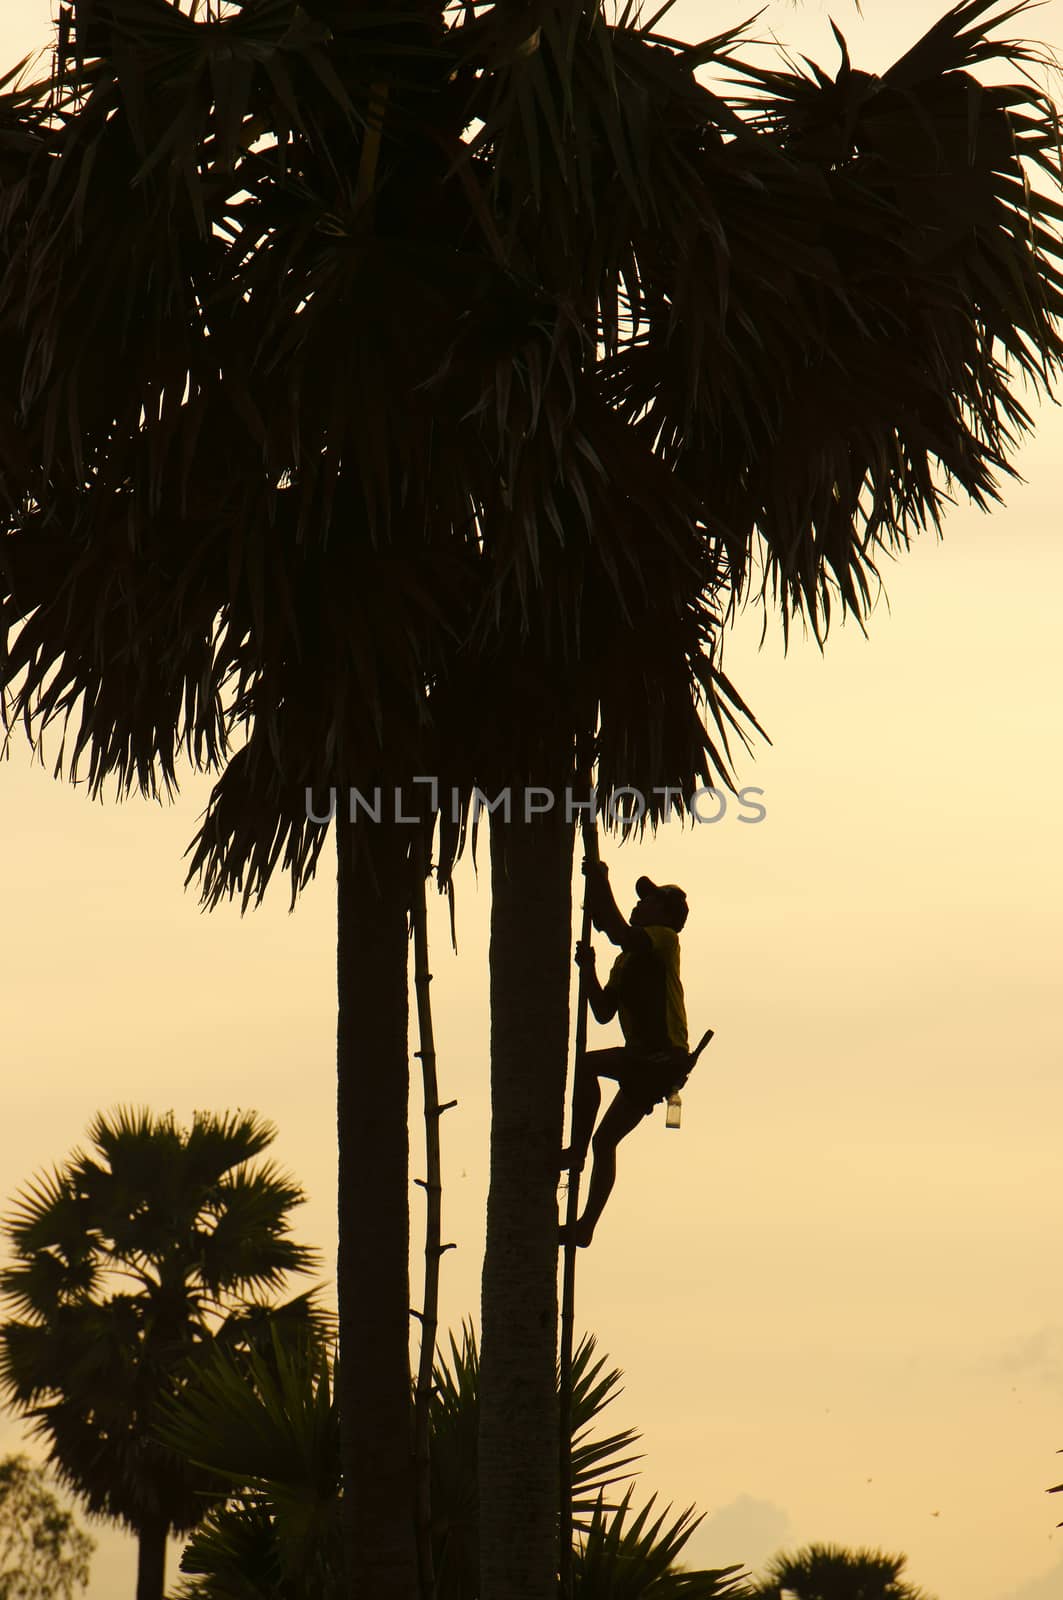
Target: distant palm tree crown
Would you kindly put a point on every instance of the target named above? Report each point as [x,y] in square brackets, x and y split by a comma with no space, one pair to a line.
[132,1264]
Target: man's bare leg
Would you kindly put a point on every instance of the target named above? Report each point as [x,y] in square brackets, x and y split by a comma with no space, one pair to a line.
[621,1117]
[586,1100]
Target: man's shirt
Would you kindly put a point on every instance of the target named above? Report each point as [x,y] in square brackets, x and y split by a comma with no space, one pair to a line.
[649,993]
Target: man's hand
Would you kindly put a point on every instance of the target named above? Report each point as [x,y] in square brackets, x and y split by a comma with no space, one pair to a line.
[602,1003]
[585,956]
[595,869]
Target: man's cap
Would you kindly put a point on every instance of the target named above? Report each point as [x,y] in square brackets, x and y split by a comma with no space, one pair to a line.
[670,891]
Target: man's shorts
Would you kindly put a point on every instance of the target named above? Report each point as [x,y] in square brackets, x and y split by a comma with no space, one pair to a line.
[646,1078]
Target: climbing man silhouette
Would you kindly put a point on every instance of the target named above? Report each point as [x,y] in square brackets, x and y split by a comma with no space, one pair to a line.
[644,988]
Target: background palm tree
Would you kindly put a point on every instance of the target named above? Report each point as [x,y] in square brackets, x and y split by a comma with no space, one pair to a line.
[830,1572]
[132,1264]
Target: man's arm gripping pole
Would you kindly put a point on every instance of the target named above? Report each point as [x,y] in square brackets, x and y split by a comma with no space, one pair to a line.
[568,1290]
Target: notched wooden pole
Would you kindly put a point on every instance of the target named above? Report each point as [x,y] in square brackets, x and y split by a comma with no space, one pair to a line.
[433,1248]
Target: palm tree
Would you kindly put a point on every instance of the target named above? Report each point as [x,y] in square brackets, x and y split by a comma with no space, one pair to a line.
[830,1572]
[132,1264]
[818,333]
[276,582]
[271,1429]
[818,336]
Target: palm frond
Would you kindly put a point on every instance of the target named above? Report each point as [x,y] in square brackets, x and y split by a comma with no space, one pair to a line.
[633,1557]
[597,1462]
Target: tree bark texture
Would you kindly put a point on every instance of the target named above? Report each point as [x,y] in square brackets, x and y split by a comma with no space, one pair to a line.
[372,1282]
[531,909]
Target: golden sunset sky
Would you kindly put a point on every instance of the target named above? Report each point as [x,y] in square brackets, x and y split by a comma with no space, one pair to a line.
[835,1292]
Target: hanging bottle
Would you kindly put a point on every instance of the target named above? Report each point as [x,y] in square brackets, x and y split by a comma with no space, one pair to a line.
[673,1112]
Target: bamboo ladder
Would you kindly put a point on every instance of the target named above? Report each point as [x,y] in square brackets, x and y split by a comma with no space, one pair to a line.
[568,1281]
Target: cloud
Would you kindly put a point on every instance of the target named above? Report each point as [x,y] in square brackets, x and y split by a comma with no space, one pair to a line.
[1049,1586]
[1036,1355]
[745,1530]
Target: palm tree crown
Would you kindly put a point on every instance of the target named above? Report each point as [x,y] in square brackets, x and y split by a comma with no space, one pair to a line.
[830,1572]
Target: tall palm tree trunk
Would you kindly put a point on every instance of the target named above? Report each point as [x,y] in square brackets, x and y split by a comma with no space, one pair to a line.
[151,1559]
[374,1222]
[531,907]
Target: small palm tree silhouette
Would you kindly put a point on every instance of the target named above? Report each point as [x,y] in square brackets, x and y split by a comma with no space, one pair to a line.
[134,1262]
